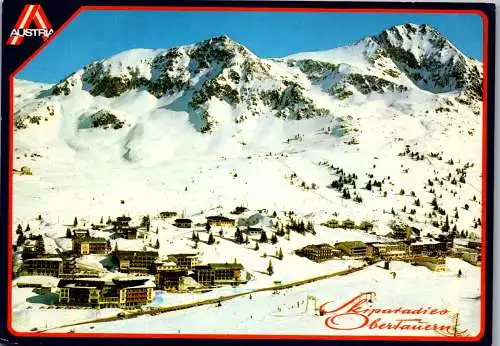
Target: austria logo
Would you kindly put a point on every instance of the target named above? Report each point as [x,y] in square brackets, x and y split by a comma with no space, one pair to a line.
[30,13]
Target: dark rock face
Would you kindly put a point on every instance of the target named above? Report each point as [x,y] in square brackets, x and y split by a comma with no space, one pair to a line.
[222,69]
[436,65]
[105,119]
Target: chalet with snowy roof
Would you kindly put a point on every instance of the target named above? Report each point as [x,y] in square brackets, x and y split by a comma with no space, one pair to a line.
[390,250]
[169,279]
[81,233]
[429,247]
[118,292]
[319,252]
[253,231]
[219,274]
[49,266]
[121,222]
[36,282]
[352,248]
[129,232]
[91,245]
[184,260]
[29,249]
[221,221]
[437,264]
[97,227]
[183,223]
[165,265]
[167,214]
[130,261]
[476,245]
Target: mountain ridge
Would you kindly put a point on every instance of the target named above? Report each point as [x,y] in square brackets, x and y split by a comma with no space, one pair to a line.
[218,80]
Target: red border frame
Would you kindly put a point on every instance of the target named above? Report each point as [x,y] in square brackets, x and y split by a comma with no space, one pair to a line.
[260,336]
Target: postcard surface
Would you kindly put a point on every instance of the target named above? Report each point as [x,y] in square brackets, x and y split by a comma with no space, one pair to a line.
[318,171]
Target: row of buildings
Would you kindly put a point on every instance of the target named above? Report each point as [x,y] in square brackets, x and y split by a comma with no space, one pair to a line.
[179,272]
[374,250]
[125,293]
[217,220]
[429,252]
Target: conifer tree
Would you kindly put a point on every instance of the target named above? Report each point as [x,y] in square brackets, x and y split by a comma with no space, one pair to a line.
[369,185]
[238,236]
[446,226]
[270,269]
[20,239]
[211,239]
[434,203]
[263,237]
[75,222]
[274,239]
[40,246]
[68,233]
[302,227]
[280,254]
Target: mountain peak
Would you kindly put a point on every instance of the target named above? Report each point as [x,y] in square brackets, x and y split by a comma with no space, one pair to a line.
[421,40]
[221,38]
[429,59]
[223,42]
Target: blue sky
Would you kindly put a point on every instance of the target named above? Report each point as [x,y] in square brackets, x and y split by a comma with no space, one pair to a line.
[95,35]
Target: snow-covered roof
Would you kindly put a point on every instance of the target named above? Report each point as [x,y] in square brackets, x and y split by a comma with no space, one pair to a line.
[167,264]
[37,280]
[426,241]
[130,244]
[147,284]
[396,252]
[54,259]
[387,244]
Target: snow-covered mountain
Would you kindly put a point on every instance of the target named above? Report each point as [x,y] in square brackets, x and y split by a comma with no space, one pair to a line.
[219,80]
[212,124]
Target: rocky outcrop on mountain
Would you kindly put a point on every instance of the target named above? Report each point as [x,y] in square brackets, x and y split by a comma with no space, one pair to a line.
[199,76]
[431,61]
